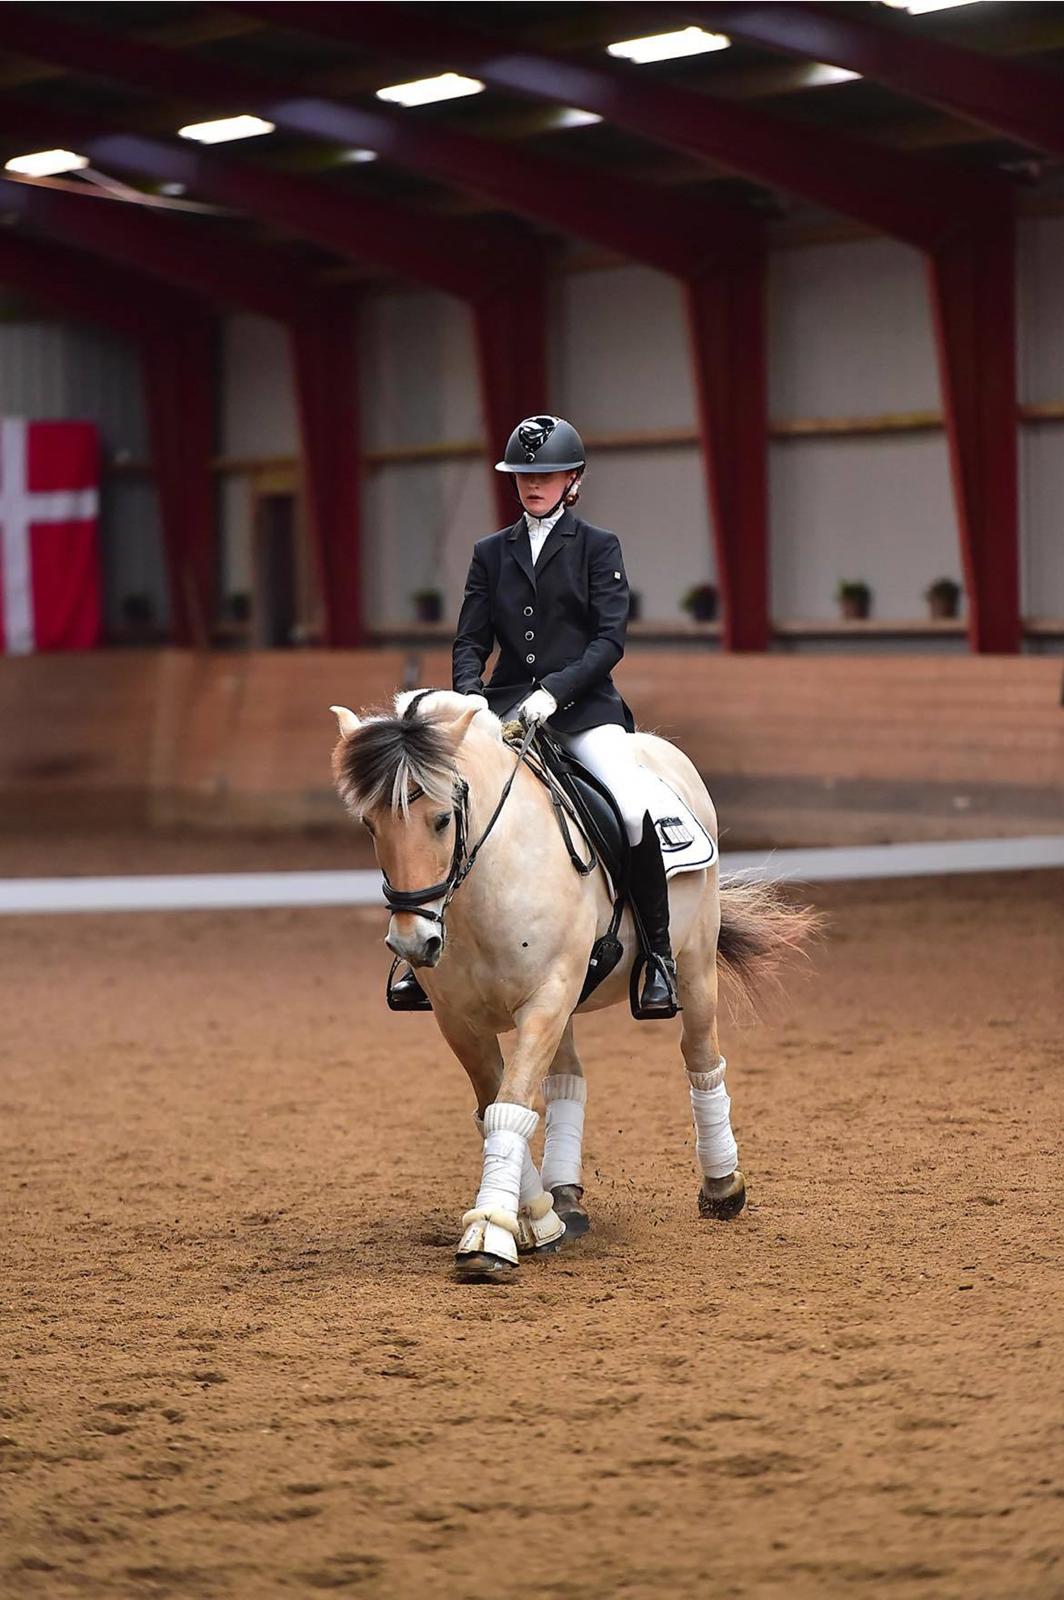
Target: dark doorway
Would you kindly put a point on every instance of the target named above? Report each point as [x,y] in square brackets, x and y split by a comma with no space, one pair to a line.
[275,571]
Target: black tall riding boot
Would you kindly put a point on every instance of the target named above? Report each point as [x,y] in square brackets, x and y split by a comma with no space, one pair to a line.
[650,893]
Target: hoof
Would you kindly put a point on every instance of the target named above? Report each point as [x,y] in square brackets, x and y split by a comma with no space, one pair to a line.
[478,1266]
[722,1198]
[567,1198]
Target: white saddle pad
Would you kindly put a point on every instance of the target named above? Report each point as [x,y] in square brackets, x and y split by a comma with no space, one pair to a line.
[685,844]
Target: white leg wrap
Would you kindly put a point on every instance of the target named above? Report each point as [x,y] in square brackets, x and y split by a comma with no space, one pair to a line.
[718,1155]
[566,1096]
[492,1224]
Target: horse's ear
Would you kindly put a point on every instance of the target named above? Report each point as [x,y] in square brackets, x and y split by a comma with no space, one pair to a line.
[349,723]
[456,731]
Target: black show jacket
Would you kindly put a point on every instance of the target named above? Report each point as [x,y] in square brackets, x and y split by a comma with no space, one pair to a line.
[560,625]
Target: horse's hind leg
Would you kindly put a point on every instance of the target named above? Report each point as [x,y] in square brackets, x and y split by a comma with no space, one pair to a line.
[723,1191]
[565,1094]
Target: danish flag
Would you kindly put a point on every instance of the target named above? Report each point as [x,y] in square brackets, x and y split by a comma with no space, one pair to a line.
[49,504]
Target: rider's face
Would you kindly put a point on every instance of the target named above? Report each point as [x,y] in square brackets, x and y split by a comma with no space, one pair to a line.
[540,491]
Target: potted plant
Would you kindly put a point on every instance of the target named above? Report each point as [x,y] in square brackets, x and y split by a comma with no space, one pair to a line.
[700,602]
[428,605]
[943,596]
[854,598]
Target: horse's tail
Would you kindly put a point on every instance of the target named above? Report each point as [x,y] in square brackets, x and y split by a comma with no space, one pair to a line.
[758,930]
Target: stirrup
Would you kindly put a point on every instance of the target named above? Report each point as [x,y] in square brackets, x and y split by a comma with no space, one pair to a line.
[664,967]
[406,994]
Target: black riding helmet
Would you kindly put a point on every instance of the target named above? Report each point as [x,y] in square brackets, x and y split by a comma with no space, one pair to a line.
[543,444]
[546,444]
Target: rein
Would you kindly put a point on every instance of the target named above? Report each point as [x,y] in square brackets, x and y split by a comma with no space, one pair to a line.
[462,860]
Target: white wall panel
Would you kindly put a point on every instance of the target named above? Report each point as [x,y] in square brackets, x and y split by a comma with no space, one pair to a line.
[421,522]
[850,331]
[419,372]
[132,555]
[1042,503]
[258,401]
[655,502]
[235,514]
[620,359]
[873,509]
[1041,310]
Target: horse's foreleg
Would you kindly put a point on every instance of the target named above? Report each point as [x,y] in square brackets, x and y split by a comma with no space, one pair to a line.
[488,1247]
[723,1191]
[487,1235]
[565,1094]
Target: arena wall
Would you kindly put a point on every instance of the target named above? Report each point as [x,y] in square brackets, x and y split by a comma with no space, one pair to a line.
[849,341]
[795,751]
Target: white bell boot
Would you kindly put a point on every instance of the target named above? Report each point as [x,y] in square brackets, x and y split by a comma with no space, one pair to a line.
[539,1226]
[491,1227]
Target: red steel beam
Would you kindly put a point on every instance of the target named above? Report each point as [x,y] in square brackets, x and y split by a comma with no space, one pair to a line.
[911,198]
[973,297]
[191,257]
[725,311]
[324,345]
[175,340]
[1007,97]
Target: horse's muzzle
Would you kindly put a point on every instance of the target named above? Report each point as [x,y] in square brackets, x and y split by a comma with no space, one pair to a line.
[422,946]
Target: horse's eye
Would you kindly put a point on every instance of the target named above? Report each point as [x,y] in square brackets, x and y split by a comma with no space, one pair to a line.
[441,821]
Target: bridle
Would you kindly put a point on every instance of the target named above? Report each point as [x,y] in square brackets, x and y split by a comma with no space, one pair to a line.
[463,859]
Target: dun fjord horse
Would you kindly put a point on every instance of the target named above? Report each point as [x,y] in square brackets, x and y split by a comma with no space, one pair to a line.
[486,905]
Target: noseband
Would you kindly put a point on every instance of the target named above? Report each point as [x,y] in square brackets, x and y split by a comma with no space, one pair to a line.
[462,859]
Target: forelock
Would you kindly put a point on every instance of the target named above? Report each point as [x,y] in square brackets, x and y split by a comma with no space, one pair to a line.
[390,756]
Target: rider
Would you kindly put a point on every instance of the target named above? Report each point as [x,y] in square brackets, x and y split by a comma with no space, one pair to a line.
[551,590]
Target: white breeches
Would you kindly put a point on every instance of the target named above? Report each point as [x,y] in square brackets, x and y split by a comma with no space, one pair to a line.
[609,753]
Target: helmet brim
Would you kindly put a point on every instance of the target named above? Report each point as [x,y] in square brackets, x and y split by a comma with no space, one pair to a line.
[555,466]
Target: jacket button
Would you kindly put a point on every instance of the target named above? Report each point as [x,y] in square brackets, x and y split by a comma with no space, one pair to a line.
[530,659]
[530,634]
[528,611]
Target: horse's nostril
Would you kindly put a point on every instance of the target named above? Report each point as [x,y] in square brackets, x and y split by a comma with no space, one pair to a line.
[433,947]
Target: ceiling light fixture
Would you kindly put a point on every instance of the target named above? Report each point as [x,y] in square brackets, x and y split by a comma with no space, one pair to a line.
[423,91]
[46,163]
[668,46]
[573,117]
[821,75]
[355,156]
[222,129]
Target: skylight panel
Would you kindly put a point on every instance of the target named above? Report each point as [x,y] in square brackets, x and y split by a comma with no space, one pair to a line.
[424,91]
[222,129]
[668,46]
[46,163]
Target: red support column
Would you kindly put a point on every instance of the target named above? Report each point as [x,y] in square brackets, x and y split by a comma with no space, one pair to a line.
[178,365]
[727,322]
[323,340]
[973,295]
[510,327]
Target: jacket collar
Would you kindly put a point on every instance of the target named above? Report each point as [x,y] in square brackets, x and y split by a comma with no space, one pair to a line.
[517,537]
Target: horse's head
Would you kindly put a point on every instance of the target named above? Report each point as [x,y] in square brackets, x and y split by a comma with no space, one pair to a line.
[397,775]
